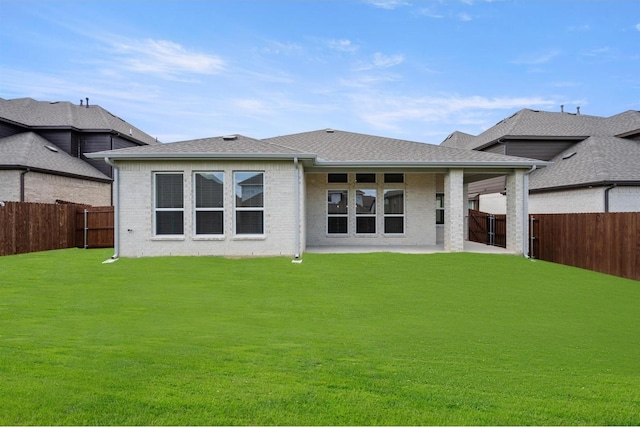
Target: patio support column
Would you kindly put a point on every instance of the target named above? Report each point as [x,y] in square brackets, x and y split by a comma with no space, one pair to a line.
[515,211]
[465,199]
[454,210]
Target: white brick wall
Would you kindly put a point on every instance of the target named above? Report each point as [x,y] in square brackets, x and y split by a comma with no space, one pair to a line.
[515,211]
[9,186]
[45,188]
[624,199]
[583,200]
[454,208]
[420,206]
[136,211]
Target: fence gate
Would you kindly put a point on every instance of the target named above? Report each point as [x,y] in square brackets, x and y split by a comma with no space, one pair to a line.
[94,227]
[487,228]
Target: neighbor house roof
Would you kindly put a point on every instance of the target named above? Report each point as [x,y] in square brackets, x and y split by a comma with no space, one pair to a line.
[597,160]
[89,118]
[325,148]
[28,150]
[534,123]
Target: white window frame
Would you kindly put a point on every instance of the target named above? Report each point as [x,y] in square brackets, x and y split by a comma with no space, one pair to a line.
[340,215]
[197,209]
[156,209]
[373,215]
[237,209]
[395,215]
[440,209]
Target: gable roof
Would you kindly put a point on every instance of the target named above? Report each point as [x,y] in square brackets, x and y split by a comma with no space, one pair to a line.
[334,147]
[28,150]
[598,160]
[535,124]
[34,114]
[326,148]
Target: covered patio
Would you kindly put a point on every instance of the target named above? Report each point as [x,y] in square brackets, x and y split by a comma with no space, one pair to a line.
[415,249]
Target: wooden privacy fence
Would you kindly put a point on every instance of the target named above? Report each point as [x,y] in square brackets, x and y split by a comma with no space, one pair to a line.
[488,228]
[94,227]
[604,242]
[34,227]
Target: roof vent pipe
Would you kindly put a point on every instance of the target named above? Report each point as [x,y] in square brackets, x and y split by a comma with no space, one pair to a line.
[578,110]
[562,108]
[81,101]
[87,102]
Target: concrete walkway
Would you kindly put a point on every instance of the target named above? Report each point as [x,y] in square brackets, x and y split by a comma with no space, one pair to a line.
[468,247]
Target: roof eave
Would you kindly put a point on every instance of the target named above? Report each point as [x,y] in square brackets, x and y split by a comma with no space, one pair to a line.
[198,156]
[434,164]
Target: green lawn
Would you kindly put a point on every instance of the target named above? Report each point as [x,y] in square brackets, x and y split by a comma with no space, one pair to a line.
[361,339]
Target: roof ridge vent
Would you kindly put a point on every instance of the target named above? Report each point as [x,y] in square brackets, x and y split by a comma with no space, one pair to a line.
[230,137]
[329,130]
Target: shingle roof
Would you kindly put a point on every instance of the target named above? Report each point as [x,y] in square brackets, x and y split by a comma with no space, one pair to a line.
[222,146]
[335,146]
[534,123]
[29,150]
[325,148]
[43,114]
[597,159]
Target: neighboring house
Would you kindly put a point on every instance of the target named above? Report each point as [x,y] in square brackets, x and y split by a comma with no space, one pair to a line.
[238,196]
[595,161]
[42,145]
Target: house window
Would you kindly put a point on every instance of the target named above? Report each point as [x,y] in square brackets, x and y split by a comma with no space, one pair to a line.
[394,211]
[169,204]
[337,212]
[439,208]
[209,202]
[366,211]
[337,177]
[393,178]
[249,204]
[367,178]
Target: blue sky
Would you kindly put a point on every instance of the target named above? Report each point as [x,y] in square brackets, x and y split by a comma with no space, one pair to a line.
[415,70]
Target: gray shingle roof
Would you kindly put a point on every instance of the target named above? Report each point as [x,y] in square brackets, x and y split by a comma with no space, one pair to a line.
[43,114]
[222,146]
[597,160]
[534,123]
[334,146]
[325,148]
[29,150]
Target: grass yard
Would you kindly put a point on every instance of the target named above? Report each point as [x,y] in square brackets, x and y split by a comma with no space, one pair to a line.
[448,339]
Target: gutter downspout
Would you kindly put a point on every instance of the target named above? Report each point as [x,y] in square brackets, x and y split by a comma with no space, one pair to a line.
[22,174]
[606,197]
[525,213]
[297,204]
[116,208]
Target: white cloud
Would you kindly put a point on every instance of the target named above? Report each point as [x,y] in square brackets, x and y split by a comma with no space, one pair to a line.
[343,45]
[393,113]
[464,17]
[537,58]
[638,27]
[387,4]
[164,58]
[280,48]
[383,61]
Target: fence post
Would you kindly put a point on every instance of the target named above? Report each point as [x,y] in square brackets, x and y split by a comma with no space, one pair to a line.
[492,230]
[531,236]
[85,229]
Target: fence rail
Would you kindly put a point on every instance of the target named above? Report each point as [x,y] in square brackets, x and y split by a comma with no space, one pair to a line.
[34,227]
